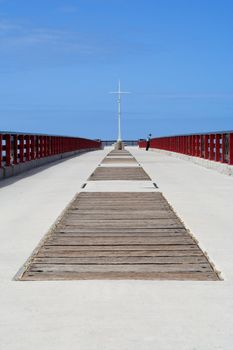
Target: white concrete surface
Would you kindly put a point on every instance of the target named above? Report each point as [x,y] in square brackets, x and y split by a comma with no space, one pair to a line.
[117,165]
[120,186]
[113,315]
[222,168]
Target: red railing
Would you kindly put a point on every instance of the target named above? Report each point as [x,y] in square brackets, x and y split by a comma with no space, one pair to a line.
[213,146]
[18,148]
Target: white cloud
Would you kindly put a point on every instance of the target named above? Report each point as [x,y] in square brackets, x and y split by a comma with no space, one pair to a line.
[39,44]
[68,9]
[189,96]
[14,36]
[6,26]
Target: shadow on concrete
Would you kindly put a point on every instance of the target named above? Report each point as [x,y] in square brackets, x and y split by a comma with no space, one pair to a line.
[30,172]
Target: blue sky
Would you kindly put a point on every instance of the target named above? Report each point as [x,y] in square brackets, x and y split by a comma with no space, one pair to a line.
[59,59]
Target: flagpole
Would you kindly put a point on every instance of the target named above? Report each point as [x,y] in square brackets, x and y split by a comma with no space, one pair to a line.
[119,94]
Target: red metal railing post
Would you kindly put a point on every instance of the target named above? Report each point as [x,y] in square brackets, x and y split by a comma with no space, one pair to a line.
[0,150]
[15,151]
[183,144]
[55,145]
[21,148]
[197,148]
[188,145]
[223,149]
[37,145]
[49,146]
[217,148]
[41,146]
[8,149]
[28,150]
[33,153]
[193,145]
[45,146]
[206,146]
[198,145]
[212,148]
[230,160]
[180,142]
[52,145]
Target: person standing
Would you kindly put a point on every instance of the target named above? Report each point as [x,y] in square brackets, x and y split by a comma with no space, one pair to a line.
[148,142]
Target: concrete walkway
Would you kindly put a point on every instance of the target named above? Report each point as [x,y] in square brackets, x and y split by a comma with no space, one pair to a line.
[90,315]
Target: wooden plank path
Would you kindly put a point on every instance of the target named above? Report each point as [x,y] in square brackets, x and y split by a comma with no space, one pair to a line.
[119,173]
[114,160]
[119,235]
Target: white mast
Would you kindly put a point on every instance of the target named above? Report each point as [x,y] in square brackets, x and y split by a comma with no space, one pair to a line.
[119,93]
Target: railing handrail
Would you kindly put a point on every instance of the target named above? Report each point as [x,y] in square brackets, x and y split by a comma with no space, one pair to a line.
[214,146]
[42,134]
[23,147]
[197,133]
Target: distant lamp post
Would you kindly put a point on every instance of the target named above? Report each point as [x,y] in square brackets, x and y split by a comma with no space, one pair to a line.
[119,144]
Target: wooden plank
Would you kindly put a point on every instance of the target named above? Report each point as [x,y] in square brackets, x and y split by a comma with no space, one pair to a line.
[69,253]
[119,236]
[122,260]
[149,247]
[117,207]
[71,234]
[119,156]
[202,267]
[75,240]
[119,160]
[159,223]
[119,173]
[120,231]
[121,216]
[138,195]
[181,276]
